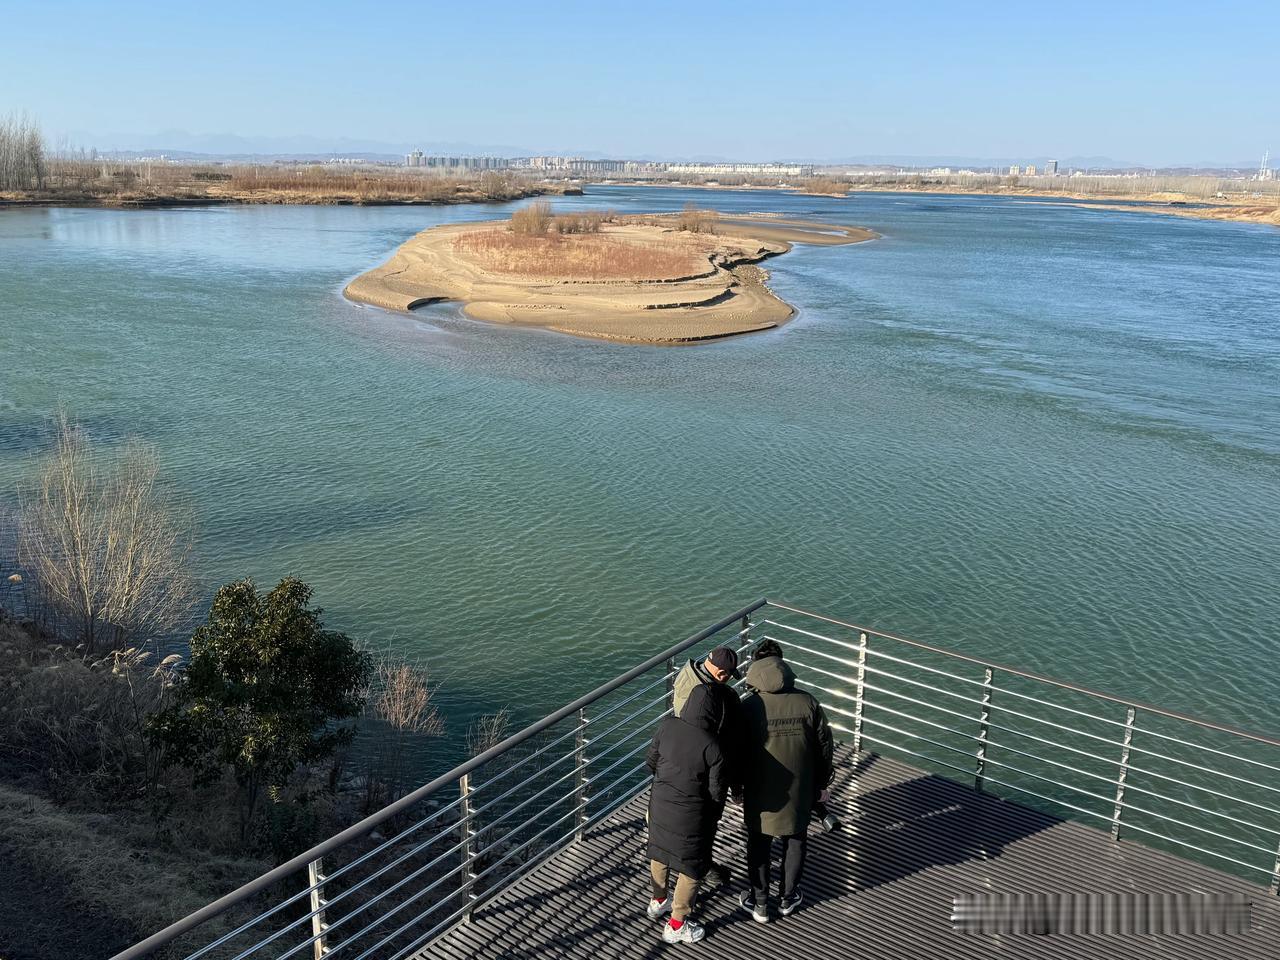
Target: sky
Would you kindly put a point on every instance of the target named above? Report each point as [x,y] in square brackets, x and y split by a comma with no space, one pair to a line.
[1154,84]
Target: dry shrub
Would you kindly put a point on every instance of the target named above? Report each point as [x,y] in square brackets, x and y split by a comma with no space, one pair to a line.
[79,725]
[487,731]
[104,544]
[693,220]
[402,697]
[568,257]
[533,220]
[824,185]
[571,223]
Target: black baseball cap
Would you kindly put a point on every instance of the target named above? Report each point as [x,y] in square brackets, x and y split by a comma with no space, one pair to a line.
[722,658]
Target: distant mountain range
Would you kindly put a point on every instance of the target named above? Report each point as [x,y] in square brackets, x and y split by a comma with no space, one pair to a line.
[181,144]
[177,143]
[1064,163]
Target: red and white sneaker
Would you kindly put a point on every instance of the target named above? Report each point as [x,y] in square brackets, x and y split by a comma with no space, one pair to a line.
[687,932]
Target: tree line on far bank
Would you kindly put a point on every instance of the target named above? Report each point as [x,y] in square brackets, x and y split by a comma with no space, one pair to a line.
[33,171]
[23,161]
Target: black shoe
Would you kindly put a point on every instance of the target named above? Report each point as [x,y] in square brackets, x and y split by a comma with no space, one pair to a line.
[718,875]
[789,905]
[830,823]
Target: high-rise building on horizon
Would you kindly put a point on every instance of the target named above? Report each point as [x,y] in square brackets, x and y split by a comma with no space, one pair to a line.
[1051,168]
[419,159]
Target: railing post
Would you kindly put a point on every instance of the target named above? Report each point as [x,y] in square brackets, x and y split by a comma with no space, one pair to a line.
[1275,874]
[671,685]
[315,880]
[1130,716]
[984,728]
[580,764]
[859,693]
[468,827]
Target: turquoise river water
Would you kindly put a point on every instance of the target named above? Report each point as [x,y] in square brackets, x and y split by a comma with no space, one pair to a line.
[1029,431]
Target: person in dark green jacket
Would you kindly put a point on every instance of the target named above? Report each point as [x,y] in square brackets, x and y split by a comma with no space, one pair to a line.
[787,765]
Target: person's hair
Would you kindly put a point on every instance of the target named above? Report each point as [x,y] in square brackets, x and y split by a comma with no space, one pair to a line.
[767,648]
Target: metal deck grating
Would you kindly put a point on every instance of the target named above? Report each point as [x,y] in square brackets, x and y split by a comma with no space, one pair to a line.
[882,887]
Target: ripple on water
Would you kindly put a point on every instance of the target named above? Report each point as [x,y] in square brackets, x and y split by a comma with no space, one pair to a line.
[1047,436]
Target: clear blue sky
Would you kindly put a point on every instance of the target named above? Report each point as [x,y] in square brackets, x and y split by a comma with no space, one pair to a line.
[1159,83]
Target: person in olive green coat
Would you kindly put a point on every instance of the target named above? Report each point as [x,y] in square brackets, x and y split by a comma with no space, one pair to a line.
[787,765]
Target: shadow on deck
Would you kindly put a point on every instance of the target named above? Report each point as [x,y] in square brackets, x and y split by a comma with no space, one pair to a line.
[881,887]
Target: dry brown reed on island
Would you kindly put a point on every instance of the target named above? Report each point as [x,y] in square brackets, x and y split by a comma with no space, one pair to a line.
[533,220]
[588,256]
[693,220]
[537,220]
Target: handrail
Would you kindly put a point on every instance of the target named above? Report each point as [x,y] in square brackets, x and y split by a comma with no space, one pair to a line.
[1040,678]
[355,831]
[604,742]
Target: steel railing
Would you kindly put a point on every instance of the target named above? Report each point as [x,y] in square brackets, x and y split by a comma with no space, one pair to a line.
[455,842]
[1207,791]
[1204,790]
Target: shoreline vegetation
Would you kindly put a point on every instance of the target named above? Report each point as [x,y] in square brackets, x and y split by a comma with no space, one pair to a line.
[179,776]
[131,186]
[654,279]
[31,176]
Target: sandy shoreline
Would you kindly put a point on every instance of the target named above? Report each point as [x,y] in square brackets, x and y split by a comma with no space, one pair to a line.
[1171,205]
[639,280]
[1266,215]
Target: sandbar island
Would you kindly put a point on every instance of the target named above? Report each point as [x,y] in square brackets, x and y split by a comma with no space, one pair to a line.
[646,279]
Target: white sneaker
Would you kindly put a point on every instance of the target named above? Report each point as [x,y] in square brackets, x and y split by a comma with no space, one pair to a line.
[759,913]
[689,932]
[658,907]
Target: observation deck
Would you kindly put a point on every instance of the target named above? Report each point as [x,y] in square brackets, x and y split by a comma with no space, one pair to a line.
[1087,825]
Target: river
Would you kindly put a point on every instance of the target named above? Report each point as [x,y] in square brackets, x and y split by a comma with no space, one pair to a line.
[1032,432]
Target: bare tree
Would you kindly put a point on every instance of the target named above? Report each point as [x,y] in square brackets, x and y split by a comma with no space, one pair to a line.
[403,697]
[103,543]
[487,731]
[22,154]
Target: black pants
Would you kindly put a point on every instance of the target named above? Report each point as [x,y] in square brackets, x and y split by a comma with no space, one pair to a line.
[759,855]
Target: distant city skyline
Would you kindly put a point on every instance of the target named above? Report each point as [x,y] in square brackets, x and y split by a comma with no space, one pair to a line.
[748,82]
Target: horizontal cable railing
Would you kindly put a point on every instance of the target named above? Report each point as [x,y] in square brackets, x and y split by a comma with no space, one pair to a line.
[387,886]
[1203,790]
[390,885]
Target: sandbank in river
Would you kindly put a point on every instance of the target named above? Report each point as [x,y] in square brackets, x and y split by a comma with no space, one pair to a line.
[639,280]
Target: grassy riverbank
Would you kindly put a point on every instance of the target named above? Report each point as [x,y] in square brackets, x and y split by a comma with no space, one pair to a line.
[89,867]
[114,184]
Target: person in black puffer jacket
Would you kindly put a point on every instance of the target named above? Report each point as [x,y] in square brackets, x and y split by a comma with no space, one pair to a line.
[690,783]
